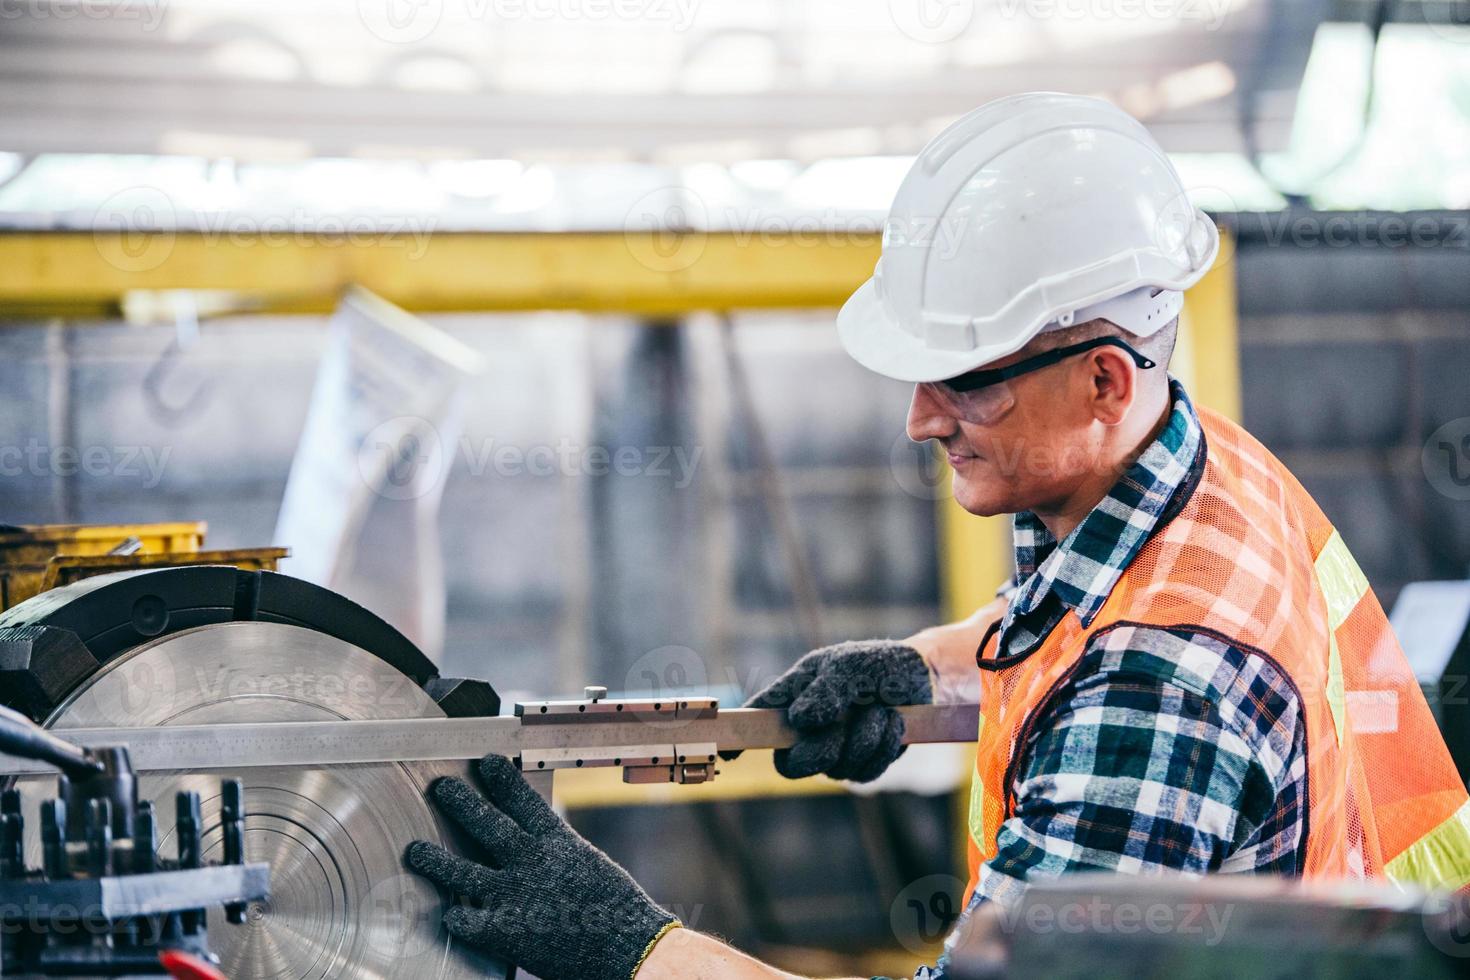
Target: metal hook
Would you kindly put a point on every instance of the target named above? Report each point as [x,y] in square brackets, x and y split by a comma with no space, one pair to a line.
[186,335]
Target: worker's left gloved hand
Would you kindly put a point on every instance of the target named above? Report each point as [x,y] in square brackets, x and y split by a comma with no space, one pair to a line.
[841,700]
[548,900]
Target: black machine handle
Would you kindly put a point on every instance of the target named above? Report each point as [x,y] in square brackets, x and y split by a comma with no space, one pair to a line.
[23,738]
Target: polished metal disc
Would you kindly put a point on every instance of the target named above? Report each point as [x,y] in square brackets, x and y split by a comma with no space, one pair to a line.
[341,903]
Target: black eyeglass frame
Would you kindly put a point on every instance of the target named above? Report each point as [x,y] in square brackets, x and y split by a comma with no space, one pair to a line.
[975,380]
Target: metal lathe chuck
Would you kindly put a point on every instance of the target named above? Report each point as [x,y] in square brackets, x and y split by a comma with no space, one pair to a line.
[341,902]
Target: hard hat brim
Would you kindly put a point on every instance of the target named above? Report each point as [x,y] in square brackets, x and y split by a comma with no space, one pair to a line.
[881,346]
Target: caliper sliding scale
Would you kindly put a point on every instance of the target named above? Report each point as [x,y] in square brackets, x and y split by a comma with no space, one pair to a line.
[674,740]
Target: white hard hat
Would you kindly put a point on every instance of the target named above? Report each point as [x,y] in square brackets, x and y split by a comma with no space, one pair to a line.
[1033,212]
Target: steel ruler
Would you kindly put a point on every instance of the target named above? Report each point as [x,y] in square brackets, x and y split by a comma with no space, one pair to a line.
[563,736]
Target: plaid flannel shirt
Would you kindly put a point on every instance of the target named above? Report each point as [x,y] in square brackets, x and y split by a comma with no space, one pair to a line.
[1170,751]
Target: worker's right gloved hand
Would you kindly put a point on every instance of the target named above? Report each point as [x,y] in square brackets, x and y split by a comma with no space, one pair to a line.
[546,898]
[841,701]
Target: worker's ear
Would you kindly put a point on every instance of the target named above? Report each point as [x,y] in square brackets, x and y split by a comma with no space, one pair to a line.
[1112,384]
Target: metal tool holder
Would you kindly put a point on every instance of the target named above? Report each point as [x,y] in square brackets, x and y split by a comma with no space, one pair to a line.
[103,903]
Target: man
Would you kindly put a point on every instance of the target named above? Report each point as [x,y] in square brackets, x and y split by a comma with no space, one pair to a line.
[1188,674]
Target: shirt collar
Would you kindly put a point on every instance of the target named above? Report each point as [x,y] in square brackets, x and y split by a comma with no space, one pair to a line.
[1085,566]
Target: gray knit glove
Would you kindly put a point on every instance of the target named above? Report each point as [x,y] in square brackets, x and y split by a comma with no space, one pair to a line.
[841,700]
[548,900]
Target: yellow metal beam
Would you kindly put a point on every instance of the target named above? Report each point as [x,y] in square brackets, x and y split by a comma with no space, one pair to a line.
[89,274]
[1207,357]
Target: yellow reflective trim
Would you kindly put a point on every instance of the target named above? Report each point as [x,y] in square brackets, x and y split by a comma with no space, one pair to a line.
[1342,581]
[1336,696]
[1439,859]
[977,798]
[1343,586]
[977,818]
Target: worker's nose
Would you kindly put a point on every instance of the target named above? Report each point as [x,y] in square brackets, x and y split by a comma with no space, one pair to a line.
[929,417]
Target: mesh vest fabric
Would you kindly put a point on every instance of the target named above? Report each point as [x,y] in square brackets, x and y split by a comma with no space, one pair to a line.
[1252,559]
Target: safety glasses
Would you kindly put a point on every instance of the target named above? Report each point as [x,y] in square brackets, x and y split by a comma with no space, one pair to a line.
[984,397]
[975,380]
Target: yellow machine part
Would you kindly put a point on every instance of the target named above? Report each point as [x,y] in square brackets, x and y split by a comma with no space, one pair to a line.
[65,569]
[26,552]
[39,557]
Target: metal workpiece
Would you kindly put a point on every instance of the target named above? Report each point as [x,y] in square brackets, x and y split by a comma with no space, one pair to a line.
[333,836]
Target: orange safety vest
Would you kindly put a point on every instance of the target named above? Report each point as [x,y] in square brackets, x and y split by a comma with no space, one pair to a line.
[1252,559]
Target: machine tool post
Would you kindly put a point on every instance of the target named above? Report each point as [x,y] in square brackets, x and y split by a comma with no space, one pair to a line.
[232,823]
[53,839]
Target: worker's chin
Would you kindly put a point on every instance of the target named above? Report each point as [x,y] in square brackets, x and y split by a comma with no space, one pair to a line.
[979,496]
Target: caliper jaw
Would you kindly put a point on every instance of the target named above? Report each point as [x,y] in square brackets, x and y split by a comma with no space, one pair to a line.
[669,761]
